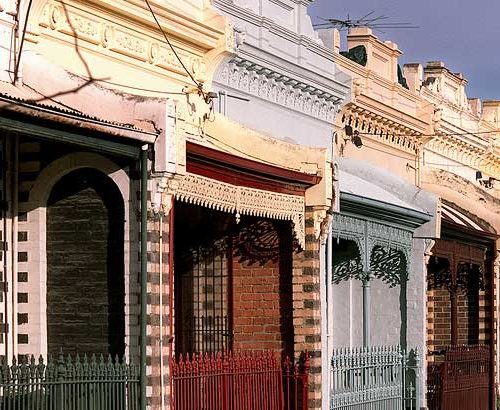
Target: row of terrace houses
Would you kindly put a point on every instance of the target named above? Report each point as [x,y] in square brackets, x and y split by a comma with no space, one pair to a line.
[210,205]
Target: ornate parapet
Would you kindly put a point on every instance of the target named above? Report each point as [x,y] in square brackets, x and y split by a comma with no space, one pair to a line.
[286,90]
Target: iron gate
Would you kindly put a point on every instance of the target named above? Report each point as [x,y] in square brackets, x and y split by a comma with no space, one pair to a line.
[239,381]
[369,378]
[461,381]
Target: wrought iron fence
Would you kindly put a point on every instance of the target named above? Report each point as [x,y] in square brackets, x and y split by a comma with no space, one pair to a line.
[462,380]
[69,384]
[239,381]
[372,378]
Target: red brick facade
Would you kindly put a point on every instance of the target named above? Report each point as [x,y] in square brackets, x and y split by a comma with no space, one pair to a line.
[258,305]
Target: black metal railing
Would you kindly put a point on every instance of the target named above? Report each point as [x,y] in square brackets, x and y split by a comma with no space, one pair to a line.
[69,383]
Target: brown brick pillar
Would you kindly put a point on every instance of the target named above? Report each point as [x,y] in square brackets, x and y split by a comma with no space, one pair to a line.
[158,339]
[307,309]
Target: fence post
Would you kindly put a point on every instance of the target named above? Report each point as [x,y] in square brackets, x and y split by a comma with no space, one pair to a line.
[61,375]
[417,380]
[305,382]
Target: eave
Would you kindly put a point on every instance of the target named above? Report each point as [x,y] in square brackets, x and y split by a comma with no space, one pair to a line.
[237,170]
[382,211]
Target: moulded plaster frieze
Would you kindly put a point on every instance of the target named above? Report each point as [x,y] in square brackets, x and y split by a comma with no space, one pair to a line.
[278,88]
[117,38]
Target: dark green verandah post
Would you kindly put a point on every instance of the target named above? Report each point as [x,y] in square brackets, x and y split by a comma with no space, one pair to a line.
[144,272]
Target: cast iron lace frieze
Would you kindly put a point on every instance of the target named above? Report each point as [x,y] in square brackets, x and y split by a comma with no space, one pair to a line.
[383,251]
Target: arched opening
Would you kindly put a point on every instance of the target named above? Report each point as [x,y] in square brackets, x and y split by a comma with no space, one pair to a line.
[85,265]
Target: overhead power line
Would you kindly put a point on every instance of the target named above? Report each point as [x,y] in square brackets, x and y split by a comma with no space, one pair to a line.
[198,84]
[450,134]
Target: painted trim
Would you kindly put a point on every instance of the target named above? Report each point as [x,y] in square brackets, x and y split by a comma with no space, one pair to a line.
[382,211]
[271,172]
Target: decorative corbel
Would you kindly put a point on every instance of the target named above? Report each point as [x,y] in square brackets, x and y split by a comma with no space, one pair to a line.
[322,220]
[496,265]
[357,88]
[166,187]
[429,244]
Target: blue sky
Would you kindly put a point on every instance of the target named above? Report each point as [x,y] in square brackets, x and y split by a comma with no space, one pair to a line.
[465,34]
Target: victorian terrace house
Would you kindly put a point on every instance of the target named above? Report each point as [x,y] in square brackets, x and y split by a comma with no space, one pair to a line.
[379,238]
[148,240]
[461,163]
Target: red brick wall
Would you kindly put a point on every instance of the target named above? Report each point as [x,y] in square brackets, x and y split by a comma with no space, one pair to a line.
[474,318]
[262,299]
[256,301]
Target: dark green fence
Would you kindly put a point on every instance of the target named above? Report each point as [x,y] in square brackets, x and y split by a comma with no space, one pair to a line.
[69,384]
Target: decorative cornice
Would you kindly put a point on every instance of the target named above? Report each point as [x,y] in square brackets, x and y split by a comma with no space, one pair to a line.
[210,193]
[380,128]
[462,152]
[285,90]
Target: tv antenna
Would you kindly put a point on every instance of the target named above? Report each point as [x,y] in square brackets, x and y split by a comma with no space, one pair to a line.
[378,23]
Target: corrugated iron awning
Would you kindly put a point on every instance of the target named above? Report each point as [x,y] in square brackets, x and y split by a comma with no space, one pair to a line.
[457,218]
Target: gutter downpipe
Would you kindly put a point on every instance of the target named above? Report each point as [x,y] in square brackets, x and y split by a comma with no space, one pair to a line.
[324,324]
[160,269]
[15,245]
[326,314]
[144,271]
[366,294]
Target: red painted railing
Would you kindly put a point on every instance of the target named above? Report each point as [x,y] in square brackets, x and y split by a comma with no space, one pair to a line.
[461,381]
[239,381]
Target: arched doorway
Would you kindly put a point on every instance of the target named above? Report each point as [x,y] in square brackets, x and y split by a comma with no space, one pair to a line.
[85,265]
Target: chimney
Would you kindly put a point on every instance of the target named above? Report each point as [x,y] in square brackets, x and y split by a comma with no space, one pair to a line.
[491,112]
[382,57]
[330,38]
[413,72]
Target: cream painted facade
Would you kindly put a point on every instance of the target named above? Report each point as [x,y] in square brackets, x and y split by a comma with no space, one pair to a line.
[108,60]
[461,161]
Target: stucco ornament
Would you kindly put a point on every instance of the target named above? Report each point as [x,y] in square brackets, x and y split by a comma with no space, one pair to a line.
[357,87]
[239,36]
[66,20]
[166,185]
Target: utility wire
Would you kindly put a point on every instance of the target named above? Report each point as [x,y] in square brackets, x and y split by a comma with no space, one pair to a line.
[18,61]
[198,85]
[150,90]
[412,159]
[450,134]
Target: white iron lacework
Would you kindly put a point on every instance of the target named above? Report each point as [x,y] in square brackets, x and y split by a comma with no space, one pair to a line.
[221,196]
[386,249]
